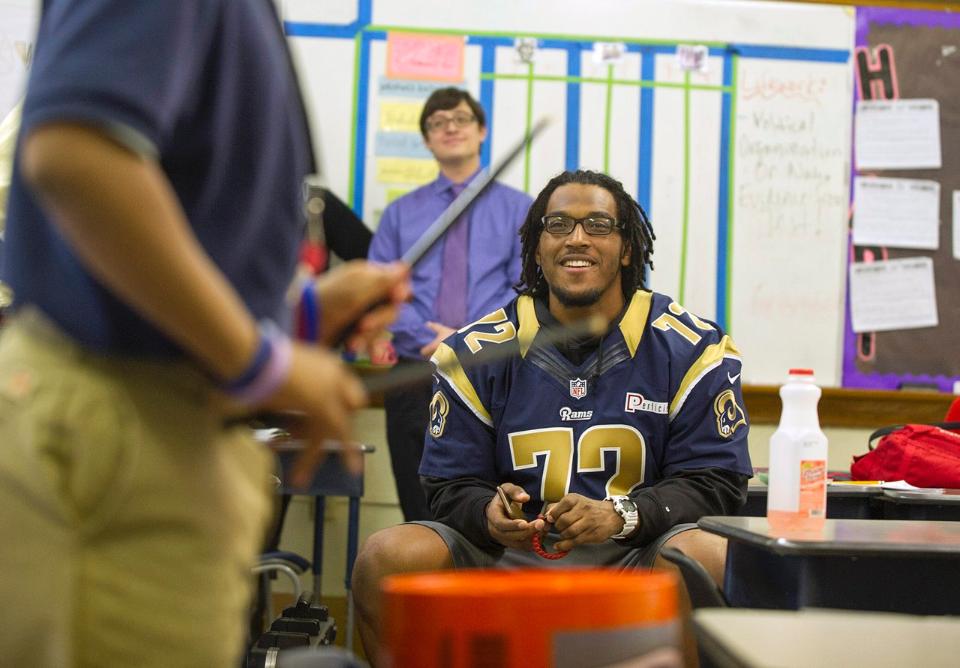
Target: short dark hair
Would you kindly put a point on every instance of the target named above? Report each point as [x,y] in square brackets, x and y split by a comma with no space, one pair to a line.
[443,99]
[635,229]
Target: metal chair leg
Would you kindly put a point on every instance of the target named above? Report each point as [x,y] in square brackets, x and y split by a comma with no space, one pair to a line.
[353,538]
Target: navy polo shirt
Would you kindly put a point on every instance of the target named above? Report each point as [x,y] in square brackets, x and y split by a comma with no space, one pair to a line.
[205,88]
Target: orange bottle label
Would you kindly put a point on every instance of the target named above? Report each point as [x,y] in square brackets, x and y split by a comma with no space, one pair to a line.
[813,488]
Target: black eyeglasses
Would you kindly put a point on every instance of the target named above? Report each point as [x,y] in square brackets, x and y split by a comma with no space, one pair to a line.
[460,120]
[597,226]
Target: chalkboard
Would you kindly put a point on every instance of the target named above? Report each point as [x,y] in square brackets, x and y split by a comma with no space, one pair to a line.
[730,122]
[913,54]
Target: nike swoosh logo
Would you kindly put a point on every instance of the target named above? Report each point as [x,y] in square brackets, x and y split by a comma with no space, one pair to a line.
[732,379]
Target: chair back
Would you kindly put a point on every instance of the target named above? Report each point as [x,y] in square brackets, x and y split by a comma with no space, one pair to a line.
[704,592]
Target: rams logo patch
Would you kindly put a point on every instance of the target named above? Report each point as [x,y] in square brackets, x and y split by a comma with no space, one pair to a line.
[439,407]
[730,416]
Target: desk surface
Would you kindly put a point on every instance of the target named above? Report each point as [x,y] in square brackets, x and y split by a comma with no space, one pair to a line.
[330,478]
[788,639]
[833,490]
[946,497]
[846,537]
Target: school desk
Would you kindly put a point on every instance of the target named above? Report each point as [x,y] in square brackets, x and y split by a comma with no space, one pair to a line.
[843,501]
[921,504]
[887,565]
[738,638]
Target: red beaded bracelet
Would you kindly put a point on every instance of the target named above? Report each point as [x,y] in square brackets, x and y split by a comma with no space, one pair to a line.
[538,546]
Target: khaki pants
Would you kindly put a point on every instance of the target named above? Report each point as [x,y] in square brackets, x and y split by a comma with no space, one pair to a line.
[129,515]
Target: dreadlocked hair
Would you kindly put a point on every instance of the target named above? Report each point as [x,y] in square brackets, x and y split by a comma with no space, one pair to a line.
[635,229]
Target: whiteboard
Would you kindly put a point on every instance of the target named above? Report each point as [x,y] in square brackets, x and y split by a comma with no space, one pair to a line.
[744,166]
[791,204]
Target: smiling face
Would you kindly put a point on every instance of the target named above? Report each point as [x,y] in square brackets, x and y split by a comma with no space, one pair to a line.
[451,144]
[582,271]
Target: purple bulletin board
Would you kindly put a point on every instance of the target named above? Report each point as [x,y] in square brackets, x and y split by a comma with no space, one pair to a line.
[904,53]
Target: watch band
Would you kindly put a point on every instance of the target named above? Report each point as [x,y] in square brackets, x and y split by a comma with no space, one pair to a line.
[627,509]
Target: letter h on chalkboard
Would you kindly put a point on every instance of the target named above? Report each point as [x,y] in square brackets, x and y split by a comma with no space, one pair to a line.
[876,80]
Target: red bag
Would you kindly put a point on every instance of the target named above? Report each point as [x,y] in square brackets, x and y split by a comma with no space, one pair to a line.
[925,455]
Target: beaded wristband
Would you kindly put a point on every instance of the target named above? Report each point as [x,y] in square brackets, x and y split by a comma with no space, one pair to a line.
[267,371]
[538,546]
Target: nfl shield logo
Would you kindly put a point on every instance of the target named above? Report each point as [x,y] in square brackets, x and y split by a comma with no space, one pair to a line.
[578,388]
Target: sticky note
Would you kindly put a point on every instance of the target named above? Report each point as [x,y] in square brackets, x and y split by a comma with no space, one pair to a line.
[406,170]
[400,116]
[417,56]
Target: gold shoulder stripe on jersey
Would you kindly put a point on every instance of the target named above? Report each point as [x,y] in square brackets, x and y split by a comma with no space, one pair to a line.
[497,316]
[635,319]
[711,357]
[529,325]
[449,368]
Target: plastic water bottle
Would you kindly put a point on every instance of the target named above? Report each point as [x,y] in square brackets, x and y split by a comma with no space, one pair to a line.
[797,492]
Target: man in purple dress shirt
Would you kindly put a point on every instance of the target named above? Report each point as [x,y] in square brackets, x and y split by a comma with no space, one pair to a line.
[470,273]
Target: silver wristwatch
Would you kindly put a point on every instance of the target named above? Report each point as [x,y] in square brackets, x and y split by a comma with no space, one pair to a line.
[626,509]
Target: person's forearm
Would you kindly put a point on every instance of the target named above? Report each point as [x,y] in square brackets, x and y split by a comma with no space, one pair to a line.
[686,497]
[121,216]
[461,504]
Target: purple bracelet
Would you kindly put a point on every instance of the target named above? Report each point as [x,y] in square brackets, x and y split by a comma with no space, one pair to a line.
[267,371]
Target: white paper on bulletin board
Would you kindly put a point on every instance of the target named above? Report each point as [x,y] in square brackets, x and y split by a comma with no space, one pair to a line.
[901,213]
[892,294]
[898,134]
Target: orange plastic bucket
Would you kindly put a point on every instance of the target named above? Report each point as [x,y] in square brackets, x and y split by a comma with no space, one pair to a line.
[575,618]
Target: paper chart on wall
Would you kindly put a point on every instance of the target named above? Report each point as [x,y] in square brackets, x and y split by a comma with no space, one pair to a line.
[898,134]
[901,213]
[892,294]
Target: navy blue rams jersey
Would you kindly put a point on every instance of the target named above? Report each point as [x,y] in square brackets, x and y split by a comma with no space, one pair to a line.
[661,394]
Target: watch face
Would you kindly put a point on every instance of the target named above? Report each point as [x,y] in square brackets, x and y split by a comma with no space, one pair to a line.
[628,506]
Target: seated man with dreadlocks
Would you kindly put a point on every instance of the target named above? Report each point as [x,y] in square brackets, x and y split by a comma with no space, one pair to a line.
[611,444]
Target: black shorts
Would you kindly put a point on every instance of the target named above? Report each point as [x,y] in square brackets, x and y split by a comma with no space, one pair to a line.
[609,553]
